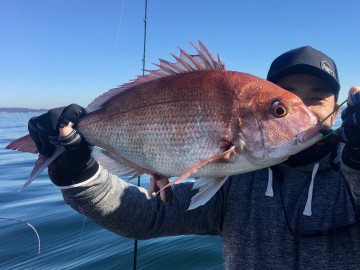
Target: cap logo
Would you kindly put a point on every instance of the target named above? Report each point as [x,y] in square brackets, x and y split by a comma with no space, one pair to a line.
[326,66]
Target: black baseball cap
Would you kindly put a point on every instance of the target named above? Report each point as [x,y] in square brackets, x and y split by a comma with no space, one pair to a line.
[305,60]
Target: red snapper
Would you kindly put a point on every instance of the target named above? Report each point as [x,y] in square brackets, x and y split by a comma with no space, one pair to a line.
[193,118]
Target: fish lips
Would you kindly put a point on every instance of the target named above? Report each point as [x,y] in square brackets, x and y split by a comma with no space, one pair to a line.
[310,133]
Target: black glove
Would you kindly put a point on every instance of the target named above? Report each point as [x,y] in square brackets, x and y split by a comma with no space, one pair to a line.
[75,164]
[350,132]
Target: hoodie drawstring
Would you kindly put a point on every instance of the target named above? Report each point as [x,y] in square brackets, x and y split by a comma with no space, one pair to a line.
[307,209]
[269,190]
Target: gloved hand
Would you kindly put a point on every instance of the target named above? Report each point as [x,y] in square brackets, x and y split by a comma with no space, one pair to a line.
[76,164]
[350,130]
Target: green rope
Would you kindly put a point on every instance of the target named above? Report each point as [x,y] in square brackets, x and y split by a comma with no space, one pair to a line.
[336,108]
[335,131]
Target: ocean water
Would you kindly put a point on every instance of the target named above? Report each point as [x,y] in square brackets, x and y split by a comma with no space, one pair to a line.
[68,240]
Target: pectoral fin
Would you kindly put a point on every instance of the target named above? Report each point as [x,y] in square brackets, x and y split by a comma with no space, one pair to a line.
[224,155]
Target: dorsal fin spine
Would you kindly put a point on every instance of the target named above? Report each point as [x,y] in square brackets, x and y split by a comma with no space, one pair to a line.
[192,60]
[183,62]
[202,56]
[213,62]
[168,70]
[186,63]
[175,67]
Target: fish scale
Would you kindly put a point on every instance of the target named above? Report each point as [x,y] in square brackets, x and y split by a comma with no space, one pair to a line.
[171,144]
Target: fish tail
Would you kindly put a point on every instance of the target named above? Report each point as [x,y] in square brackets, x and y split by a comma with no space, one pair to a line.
[26,144]
[41,163]
[23,144]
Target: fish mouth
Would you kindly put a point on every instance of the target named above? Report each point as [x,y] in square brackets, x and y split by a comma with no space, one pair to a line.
[306,135]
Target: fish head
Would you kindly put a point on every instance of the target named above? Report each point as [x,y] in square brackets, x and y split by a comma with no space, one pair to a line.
[274,123]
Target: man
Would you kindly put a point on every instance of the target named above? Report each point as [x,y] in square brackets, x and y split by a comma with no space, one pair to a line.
[303,213]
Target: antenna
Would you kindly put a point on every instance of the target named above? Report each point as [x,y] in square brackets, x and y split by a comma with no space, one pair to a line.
[143,73]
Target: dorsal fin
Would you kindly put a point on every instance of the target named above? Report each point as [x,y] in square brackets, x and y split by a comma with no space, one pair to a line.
[185,63]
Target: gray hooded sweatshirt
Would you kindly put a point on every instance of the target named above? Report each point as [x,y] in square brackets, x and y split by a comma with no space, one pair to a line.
[278,218]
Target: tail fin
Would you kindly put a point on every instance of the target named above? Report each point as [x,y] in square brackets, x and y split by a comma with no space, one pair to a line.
[23,144]
[40,165]
[26,144]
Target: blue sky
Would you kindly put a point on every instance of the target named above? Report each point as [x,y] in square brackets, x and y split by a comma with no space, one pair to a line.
[56,52]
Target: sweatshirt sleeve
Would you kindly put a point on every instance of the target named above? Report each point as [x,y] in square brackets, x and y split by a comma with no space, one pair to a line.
[127,210]
[352,176]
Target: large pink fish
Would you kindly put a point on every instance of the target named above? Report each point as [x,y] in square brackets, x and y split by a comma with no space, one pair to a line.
[194,119]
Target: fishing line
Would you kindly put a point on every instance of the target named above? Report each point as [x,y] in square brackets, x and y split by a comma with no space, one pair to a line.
[143,73]
[119,26]
[27,223]
[80,239]
[330,133]
[335,130]
[336,108]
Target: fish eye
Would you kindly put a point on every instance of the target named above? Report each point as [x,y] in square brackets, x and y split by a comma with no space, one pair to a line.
[279,109]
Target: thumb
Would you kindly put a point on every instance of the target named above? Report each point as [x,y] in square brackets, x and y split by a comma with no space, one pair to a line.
[66,130]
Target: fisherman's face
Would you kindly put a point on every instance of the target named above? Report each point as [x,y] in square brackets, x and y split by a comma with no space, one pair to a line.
[315,93]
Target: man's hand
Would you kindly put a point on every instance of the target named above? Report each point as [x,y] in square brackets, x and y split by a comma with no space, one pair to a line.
[156,183]
[55,128]
[350,129]
[44,129]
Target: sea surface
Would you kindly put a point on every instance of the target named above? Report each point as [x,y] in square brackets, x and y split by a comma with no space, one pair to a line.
[68,240]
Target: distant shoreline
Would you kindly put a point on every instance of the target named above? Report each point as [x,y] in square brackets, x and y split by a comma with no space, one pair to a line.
[21,110]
